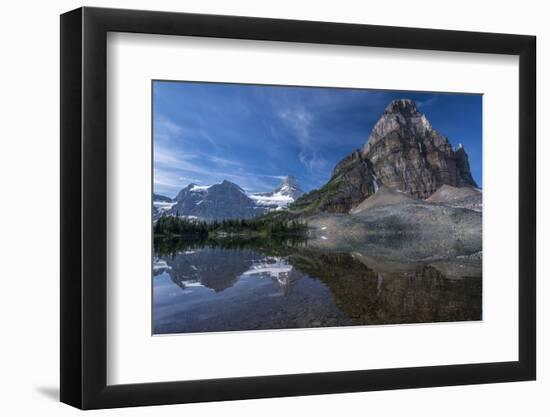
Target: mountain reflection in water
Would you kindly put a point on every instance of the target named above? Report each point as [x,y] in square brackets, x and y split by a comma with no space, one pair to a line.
[246,285]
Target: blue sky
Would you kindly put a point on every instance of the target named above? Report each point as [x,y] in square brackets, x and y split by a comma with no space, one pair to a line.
[253,135]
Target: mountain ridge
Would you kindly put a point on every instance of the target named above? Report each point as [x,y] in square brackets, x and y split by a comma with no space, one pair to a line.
[215,202]
[227,200]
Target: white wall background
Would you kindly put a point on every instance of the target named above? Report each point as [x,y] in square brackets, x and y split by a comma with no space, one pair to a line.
[29,219]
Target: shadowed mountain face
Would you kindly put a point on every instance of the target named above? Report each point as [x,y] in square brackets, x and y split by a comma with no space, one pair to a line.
[403,152]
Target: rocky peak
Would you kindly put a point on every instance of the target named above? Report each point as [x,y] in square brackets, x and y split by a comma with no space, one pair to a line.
[399,116]
[403,106]
[408,154]
[403,152]
[229,185]
[289,187]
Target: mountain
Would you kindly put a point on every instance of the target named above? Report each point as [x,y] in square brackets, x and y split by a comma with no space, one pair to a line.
[161,204]
[407,153]
[287,192]
[225,201]
[215,202]
[289,187]
[403,152]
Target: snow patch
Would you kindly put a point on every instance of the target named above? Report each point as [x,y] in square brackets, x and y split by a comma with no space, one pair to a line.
[192,284]
[164,205]
[277,199]
[273,269]
[160,264]
[199,188]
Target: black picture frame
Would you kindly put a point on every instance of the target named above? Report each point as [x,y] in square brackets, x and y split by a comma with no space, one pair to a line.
[84,207]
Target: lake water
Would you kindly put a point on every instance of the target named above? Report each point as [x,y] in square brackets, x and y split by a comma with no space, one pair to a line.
[251,285]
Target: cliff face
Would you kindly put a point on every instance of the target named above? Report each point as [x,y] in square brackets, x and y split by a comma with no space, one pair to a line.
[403,152]
[408,154]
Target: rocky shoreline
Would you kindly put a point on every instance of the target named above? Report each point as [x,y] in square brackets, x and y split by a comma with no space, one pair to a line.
[396,226]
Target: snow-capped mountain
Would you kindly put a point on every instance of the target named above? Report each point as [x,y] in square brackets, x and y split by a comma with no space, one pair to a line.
[287,192]
[225,200]
[289,187]
[214,202]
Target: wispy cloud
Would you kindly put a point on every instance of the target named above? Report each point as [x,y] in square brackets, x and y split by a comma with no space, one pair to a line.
[174,170]
[165,129]
[426,103]
[299,121]
[170,159]
[223,161]
[277,177]
[313,162]
[322,119]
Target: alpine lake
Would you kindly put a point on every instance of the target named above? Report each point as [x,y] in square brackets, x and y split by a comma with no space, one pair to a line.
[236,284]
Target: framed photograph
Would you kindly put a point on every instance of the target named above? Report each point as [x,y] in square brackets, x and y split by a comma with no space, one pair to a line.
[258,208]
